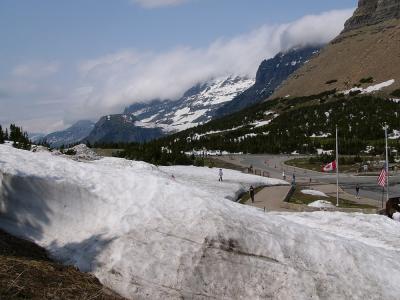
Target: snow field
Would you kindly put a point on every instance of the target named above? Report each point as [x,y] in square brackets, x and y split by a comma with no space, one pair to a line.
[314,193]
[149,236]
[321,204]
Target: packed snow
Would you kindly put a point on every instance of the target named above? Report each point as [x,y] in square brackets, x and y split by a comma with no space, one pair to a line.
[314,193]
[396,217]
[321,204]
[172,233]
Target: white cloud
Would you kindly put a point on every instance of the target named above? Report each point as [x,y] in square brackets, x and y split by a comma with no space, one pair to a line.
[43,125]
[40,98]
[158,3]
[323,27]
[129,76]
[35,70]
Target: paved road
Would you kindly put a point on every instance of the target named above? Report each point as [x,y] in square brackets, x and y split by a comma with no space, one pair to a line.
[274,164]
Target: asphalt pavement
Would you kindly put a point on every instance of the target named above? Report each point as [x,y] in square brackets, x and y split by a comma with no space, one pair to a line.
[274,165]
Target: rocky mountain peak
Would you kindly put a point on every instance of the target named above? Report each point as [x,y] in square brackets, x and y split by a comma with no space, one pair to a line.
[370,12]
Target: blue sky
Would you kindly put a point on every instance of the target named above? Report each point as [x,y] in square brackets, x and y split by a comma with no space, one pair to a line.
[51,48]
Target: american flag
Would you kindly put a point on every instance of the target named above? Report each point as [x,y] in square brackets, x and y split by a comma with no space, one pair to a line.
[382,177]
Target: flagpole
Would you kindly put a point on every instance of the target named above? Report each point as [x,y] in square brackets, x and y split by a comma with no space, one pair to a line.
[337,168]
[387,163]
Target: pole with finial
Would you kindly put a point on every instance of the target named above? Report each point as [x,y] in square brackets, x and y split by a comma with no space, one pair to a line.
[337,167]
[387,162]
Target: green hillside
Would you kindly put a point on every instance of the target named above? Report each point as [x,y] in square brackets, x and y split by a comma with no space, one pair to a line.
[299,124]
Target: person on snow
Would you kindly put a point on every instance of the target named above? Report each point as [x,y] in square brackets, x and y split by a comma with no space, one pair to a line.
[220,175]
[251,191]
[357,191]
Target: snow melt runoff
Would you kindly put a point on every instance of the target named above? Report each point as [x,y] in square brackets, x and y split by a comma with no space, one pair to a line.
[173,232]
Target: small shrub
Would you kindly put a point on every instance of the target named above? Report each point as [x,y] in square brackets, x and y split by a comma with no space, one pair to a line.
[69,152]
[331,81]
[354,93]
[199,162]
[367,80]
[396,93]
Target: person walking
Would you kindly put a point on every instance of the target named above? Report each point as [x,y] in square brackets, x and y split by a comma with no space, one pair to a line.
[220,175]
[294,179]
[357,191]
[251,191]
[283,175]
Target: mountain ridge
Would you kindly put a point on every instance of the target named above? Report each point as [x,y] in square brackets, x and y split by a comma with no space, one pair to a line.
[270,74]
[371,12]
[367,51]
[74,134]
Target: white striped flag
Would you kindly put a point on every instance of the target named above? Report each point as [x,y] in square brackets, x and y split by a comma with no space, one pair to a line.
[382,177]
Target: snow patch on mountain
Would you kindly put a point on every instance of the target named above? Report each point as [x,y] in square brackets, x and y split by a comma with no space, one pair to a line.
[197,106]
[372,88]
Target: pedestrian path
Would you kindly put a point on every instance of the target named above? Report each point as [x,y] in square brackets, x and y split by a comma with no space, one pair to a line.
[271,198]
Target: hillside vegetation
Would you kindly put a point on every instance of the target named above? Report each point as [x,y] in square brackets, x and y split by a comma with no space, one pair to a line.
[303,124]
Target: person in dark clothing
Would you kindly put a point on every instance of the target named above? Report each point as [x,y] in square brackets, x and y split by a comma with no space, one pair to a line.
[357,191]
[251,191]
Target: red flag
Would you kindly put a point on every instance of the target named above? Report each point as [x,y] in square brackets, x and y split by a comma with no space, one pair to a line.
[329,167]
[382,177]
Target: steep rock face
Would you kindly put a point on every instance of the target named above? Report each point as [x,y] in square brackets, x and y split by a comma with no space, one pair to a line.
[368,48]
[270,75]
[370,12]
[121,128]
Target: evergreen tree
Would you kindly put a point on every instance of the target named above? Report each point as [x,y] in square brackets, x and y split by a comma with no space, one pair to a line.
[2,135]
[19,138]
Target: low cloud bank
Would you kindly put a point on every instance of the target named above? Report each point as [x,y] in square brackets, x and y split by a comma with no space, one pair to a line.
[107,84]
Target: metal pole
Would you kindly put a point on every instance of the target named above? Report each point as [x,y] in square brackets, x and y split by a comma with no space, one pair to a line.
[387,163]
[337,168]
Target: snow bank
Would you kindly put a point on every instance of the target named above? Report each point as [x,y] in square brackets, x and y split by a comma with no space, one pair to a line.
[234,184]
[150,236]
[396,217]
[321,204]
[314,193]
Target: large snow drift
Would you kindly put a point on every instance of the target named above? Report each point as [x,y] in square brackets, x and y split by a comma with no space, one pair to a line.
[150,235]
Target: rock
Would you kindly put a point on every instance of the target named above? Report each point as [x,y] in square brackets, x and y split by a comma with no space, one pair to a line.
[370,12]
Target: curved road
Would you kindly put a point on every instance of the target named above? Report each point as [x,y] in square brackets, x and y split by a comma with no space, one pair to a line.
[274,164]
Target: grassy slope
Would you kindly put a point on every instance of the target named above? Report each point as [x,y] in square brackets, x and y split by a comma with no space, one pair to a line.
[300,198]
[371,51]
[27,273]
